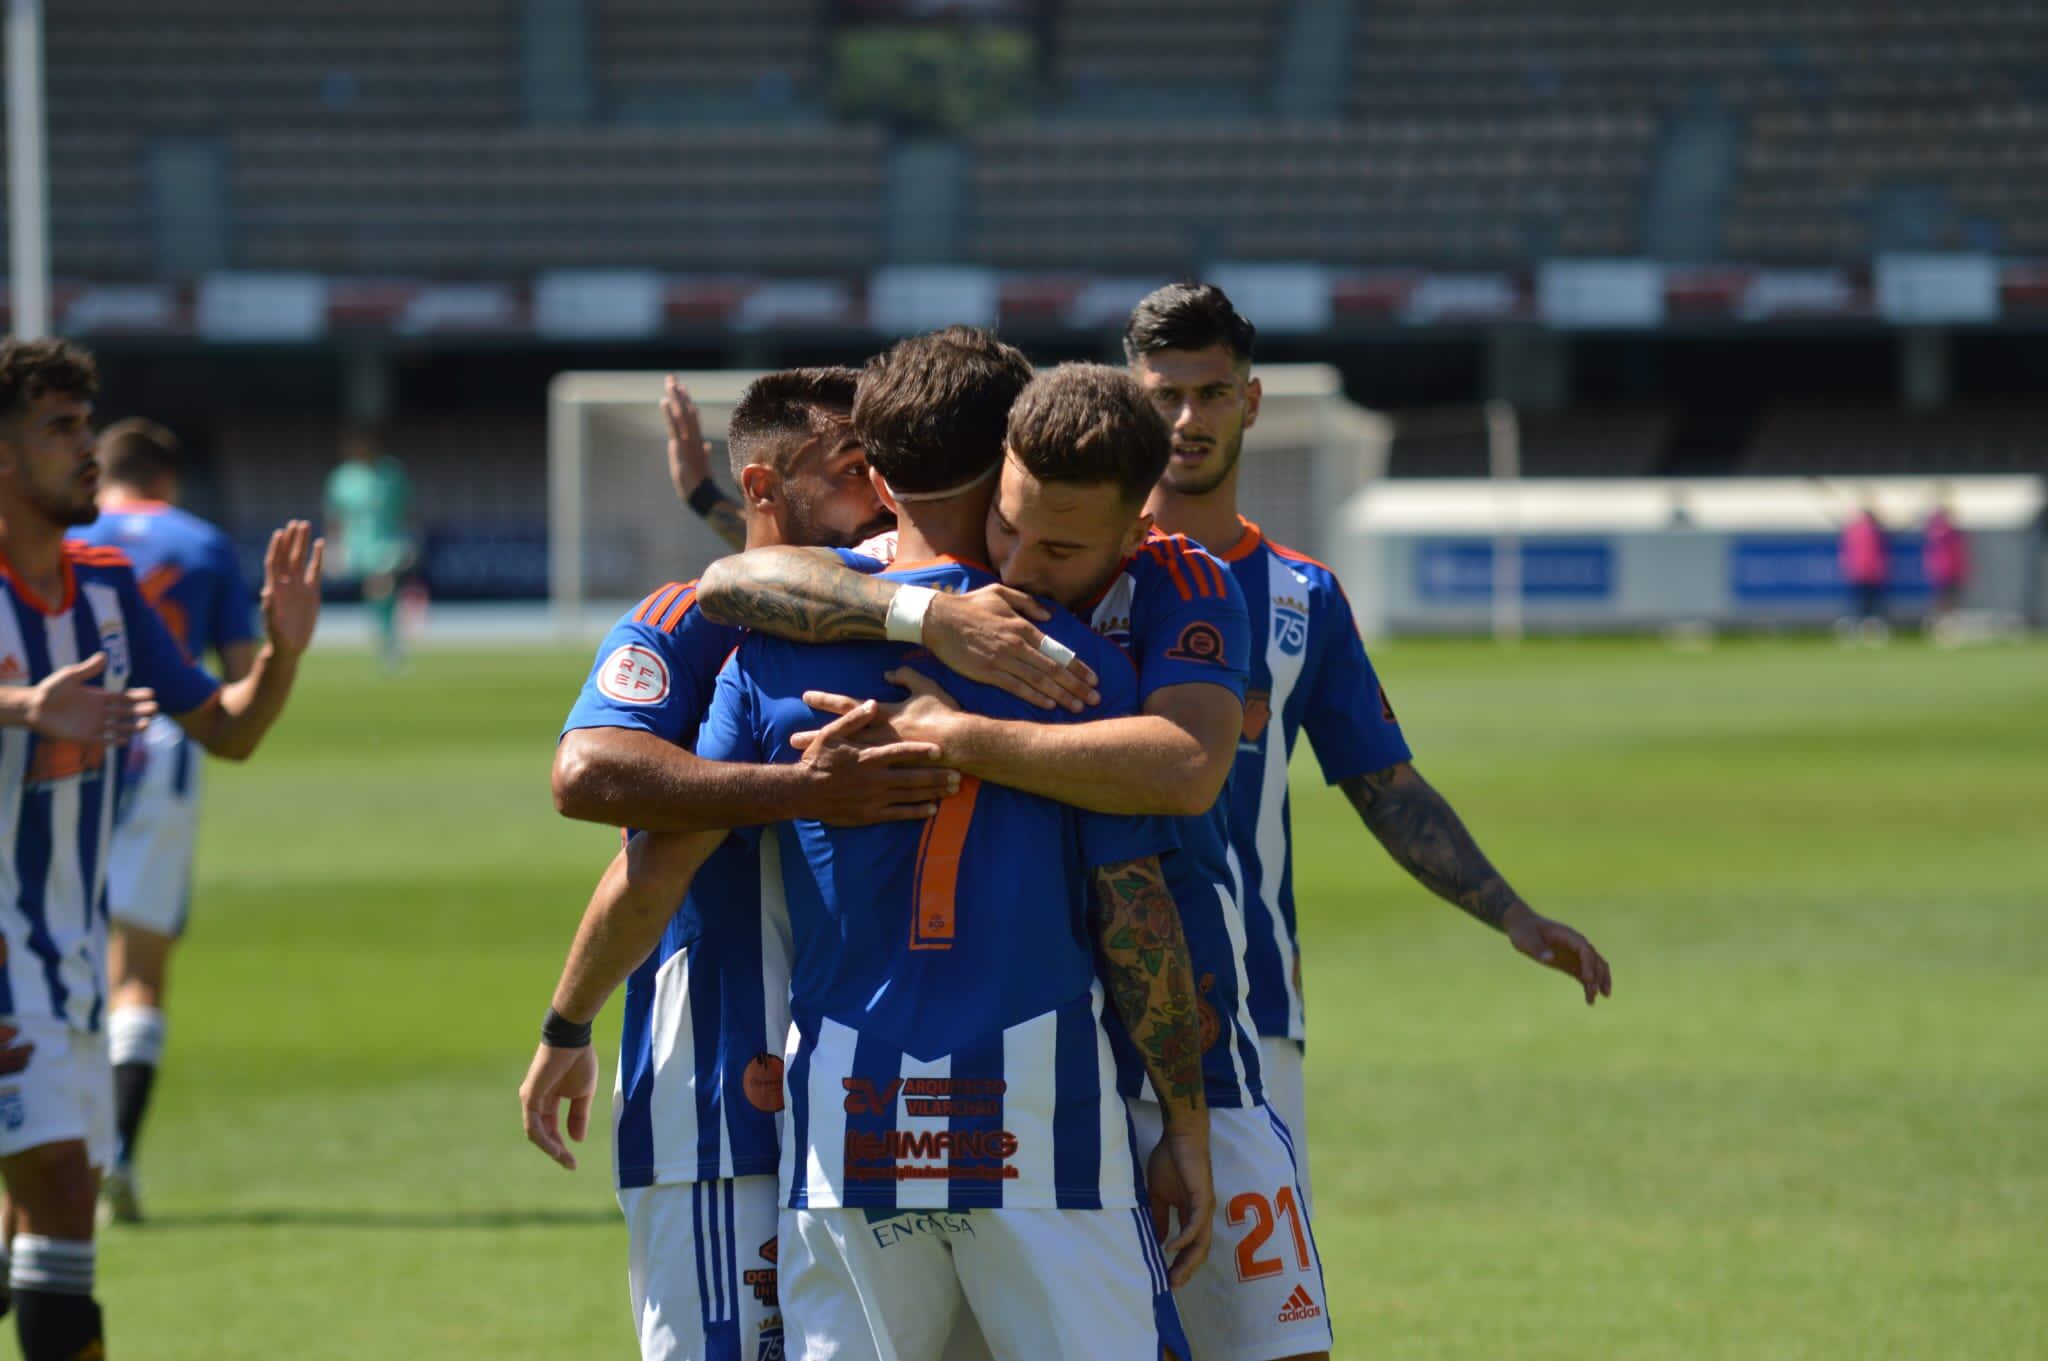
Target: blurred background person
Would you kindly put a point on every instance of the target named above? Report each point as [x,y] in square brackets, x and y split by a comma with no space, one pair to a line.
[1867,568]
[368,509]
[1945,552]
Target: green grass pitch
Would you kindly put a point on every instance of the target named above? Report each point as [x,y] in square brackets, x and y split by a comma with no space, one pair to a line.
[1812,1123]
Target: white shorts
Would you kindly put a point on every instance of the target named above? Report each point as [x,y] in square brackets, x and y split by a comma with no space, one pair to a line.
[701,1269]
[1260,1294]
[880,1285]
[1287,1094]
[149,866]
[64,1093]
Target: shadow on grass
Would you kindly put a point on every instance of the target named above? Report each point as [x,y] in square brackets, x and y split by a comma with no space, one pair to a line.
[325,1217]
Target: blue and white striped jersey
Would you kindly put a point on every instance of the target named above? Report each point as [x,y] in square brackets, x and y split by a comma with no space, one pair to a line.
[1310,671]
[188,571]
[1179,615]
[57,798]
[700,1053]
[948,1049]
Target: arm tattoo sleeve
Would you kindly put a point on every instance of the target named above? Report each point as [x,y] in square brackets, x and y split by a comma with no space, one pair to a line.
[1426,837]
[726,521]
[801,594]
[1143,957]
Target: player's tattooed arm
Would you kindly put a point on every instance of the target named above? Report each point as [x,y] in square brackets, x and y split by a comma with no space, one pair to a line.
[807,595]
[1426,837]
[726,521]
[803,594]
[1143,955]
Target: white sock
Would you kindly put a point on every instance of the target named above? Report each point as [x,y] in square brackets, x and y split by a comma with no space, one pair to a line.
[55,1266]
[136,1035]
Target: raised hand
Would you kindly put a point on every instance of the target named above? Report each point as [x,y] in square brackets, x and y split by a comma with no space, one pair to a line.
[689,453]
[1556,946]
[66,708]
[992,636]
[555,1076]
[291,587]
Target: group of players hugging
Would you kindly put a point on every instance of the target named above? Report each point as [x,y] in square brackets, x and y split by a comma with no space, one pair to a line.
[955,914]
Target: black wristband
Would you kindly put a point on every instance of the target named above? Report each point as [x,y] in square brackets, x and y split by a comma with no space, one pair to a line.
[706,496]
[558,1032]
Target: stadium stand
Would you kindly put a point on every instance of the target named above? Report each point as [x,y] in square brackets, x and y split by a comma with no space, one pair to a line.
[1409,191]
[655,54]
[134,65]
[459,204]
[1112,47]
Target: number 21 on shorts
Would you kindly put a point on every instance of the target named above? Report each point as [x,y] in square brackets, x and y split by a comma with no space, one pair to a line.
[1262,1214]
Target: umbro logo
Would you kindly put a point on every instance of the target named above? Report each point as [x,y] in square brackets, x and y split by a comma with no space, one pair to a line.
[12,671]
[1300,1307]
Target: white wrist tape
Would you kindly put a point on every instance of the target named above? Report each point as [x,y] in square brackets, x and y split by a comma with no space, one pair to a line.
[905,623]
[1055,649]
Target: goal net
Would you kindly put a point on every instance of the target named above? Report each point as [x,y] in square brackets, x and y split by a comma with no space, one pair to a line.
[616,531]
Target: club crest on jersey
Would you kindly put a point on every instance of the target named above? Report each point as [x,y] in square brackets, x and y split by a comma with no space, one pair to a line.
[114,642]
[1200,641]
[634,675]
[1290,624]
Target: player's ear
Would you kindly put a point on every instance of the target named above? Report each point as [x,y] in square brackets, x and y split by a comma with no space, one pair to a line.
[1252,393]
[761,485]
[1136,535]
[882,492]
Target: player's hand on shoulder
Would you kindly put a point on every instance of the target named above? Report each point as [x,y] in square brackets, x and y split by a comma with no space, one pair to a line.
[291,587]
[855,775]
[1557,946]
[557,1075]
[992,636]
[67,707]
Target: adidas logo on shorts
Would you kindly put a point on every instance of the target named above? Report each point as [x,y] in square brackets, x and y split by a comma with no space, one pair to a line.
[1300,1307]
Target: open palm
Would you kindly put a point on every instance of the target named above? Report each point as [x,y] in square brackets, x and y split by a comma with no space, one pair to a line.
[291,587]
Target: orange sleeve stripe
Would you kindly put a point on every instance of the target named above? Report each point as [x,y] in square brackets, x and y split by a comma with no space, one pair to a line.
[679,609]
[652,607]
[1180,580]
[1212,571]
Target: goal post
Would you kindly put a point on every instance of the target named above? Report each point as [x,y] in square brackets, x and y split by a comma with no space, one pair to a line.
[616,531]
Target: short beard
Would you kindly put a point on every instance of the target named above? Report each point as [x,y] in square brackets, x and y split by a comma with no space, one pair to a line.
[805,530]
[70,515]
[1212,481]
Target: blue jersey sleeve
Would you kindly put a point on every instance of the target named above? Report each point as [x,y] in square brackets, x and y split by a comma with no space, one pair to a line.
[860,562]
[655,670]
[1347,715]
[732,729]
[234,609]
[1188,621]
[1110,839]
[158,662]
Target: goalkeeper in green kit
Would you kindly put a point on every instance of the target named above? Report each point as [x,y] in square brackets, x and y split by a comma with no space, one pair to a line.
[368,508]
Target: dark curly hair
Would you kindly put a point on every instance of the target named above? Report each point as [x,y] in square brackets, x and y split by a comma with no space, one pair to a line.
[31,368]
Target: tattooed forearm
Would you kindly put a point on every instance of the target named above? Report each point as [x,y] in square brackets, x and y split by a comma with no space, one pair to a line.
[1426,837]
[728,524]
[803,594]
[1143,956]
